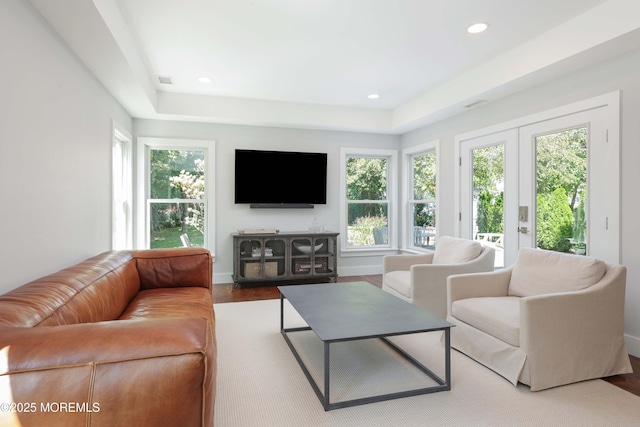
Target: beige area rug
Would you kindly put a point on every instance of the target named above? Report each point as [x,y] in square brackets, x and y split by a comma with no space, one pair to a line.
[261,384]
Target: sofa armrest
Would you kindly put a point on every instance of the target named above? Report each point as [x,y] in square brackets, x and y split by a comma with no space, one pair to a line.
[404,262]
[176,267]
[138,372]
[476,285]
[569,334]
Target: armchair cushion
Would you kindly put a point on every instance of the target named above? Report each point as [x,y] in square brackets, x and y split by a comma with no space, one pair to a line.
[451,250]
[533,269]
[399,281]
[496,316]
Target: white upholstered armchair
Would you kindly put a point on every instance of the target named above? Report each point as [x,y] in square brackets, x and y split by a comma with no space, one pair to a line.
[422,279]
[549,319]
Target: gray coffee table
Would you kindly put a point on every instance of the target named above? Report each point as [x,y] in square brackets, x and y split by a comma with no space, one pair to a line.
[357,311]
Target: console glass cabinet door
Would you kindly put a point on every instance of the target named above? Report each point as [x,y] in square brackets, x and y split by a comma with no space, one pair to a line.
[284,256]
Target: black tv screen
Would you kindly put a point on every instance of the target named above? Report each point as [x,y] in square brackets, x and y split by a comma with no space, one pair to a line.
[280,178]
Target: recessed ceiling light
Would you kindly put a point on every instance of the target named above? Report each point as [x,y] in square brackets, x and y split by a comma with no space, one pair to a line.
[478,28]
[373,96]
[204,80]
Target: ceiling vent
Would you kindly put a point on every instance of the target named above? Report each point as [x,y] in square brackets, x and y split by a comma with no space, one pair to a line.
[165,80]
[478,102]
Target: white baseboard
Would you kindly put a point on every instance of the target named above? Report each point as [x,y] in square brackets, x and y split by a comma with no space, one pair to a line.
[633,345]
[362,270]
[222,278]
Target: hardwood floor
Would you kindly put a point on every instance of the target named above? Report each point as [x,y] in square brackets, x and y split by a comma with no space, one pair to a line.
[223,293]
[229,293]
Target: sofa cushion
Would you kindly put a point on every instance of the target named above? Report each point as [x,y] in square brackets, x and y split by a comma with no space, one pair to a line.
[451,250]
[496,316]
[538,272]
[174,268]
[166,302]
[399,281]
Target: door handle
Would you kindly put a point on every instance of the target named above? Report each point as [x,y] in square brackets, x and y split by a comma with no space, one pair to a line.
[523,230]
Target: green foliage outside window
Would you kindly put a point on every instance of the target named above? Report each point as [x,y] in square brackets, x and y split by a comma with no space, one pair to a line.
[361,232]
[488,175]
[366,182]
[176,174]
[425,214]
[490,218]
[366,178]
[424,188]
[555,221]
[561,160]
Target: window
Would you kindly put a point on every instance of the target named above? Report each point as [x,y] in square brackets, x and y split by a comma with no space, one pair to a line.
[561,190]
[176,203]
[487,197]
[368,220]
[420,189]
[121,190]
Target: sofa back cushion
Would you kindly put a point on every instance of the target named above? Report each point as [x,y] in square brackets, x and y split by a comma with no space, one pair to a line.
[174,268]
[451,250]
[94,290]
[539,271]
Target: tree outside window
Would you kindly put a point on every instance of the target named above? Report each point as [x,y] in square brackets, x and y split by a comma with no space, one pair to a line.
[177,197]
[422,200]
[488,190]
[367,201]
[561,177]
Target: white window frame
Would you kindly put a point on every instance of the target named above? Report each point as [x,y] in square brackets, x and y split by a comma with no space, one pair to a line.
[392,200]
[144,145]
[121,189]
[407,190]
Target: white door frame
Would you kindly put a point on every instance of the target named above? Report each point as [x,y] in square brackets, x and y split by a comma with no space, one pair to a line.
[607,153]
[509,140]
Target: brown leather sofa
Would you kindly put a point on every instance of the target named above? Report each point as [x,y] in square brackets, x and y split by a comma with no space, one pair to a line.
[126,338]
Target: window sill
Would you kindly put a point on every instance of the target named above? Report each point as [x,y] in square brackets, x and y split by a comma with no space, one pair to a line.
[368,252]
[416,251]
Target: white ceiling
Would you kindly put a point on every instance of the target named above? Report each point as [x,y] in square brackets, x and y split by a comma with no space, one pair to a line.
[312,63]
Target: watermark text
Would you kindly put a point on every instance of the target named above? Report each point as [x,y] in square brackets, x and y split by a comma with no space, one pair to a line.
[52,407]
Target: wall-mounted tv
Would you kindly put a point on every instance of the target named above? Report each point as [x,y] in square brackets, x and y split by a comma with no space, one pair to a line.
[280,179]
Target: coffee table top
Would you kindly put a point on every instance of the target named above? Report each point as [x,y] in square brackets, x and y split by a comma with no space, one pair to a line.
[356,310]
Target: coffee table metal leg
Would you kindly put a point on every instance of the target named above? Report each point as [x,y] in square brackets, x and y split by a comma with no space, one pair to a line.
[281,312]
[327,356]
[447,357]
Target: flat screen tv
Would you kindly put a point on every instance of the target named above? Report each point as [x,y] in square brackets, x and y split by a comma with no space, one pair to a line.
[280,179]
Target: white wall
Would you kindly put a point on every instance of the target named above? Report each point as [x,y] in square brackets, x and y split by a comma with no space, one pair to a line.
[55,151]
[231,217]
[618,74]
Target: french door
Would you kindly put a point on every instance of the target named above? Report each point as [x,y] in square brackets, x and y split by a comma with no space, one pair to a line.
[551,184]
[488,167]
